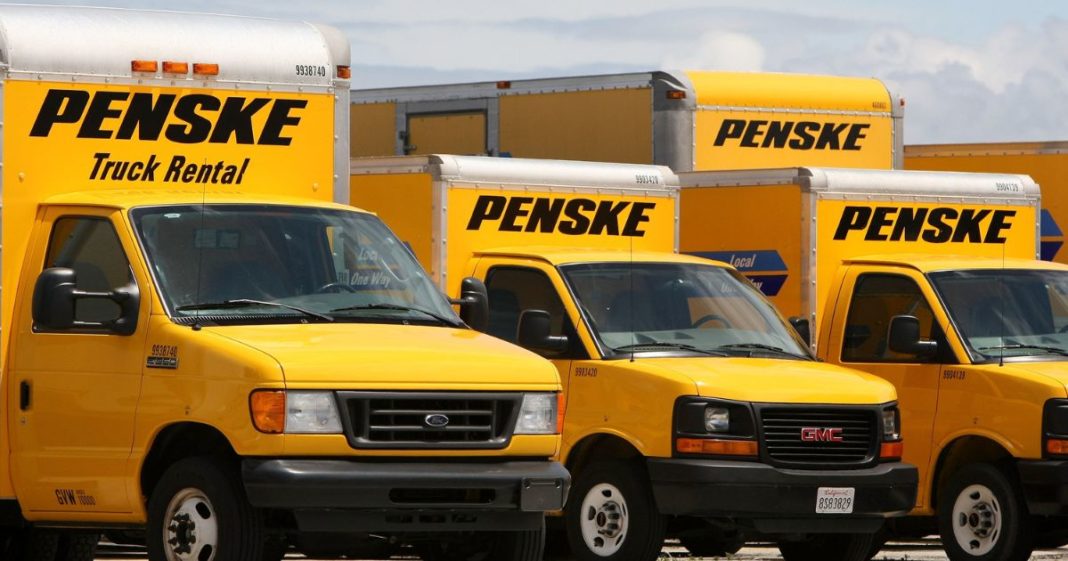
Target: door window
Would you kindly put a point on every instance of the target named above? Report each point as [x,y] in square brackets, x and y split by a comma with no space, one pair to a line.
[92,249]
[513,290]
[877,299]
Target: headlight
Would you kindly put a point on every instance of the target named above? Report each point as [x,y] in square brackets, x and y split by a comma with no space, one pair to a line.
[538,414]
[296,412]
[717,419]
[891,420]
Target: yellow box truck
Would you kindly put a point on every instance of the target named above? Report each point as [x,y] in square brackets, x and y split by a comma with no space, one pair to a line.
[928,280]
[692,409]
[691,120]
[193,357]
[1045,162]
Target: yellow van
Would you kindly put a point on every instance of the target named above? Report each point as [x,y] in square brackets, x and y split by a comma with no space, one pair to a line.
[692,409]
[200,349]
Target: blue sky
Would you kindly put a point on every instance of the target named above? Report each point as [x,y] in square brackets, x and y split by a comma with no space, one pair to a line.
[971,71]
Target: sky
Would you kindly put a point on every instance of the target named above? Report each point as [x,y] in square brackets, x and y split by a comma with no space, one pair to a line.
[970,71]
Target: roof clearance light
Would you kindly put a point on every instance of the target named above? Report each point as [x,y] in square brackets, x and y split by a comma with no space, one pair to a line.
[171,67]
[675,94]
[344,72]
[205,69]
[504,85]
[144,66]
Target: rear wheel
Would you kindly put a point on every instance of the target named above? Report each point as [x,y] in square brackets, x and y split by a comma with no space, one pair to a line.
[982,516]
[198,512]
[829,547]
[611,514]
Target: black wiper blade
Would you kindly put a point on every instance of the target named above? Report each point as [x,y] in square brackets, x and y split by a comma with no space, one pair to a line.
[399,307]
[667,345]
[759,347]
[246,302]
[1048,349]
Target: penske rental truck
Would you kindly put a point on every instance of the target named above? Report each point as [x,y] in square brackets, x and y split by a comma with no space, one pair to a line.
[930,281]
[692,408]
[1045,162]
[195,358]
[686,120]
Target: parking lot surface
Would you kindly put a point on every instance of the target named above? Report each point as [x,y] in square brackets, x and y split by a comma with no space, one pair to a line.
[924,550]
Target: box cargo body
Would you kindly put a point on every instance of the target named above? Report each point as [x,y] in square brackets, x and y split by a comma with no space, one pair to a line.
[1045,162]
[789,230]
[692,120]
[448,208]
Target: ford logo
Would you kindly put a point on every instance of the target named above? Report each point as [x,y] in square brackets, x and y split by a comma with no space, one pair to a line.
[436,421]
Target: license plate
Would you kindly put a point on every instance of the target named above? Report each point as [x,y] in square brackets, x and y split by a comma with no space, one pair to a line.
[835,500]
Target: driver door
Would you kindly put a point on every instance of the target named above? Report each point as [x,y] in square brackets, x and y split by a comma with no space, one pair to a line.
[73,393]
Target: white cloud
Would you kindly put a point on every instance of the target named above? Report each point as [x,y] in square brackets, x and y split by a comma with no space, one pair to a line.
[721,50]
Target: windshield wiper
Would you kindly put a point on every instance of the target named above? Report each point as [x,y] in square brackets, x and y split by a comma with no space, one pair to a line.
[1048,349]
[667,345]
[760,347]
[246,302]
[399,307]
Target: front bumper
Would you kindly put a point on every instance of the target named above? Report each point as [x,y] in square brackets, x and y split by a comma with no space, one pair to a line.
[1045,486]
[334,495]
[776,501]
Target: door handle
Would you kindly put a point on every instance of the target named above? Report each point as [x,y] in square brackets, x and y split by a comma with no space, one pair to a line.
[24,395]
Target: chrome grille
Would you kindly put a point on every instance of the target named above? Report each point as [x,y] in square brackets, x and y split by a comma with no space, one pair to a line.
[430,420]
[782,436]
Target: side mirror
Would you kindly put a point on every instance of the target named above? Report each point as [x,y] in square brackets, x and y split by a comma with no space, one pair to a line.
[55,296]
[801,326]
[474,303]
[535,333]
[904,337]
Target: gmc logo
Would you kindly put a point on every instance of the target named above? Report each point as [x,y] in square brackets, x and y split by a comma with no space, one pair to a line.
[816,434]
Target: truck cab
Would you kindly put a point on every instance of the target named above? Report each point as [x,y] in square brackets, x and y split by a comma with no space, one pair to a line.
[977,349]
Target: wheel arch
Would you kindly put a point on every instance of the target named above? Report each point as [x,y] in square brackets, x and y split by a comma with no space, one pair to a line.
[599,446]
[181,440]
[963,451]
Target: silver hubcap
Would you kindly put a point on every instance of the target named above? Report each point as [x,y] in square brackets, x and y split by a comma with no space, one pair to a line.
[192,530]
[604,519]
[977,520]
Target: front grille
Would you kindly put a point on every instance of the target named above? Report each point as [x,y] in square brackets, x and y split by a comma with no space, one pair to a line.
[414,420]
[782,435]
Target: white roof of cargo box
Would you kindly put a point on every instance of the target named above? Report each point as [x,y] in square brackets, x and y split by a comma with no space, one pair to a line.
[96,43]
[485,170]
[876,183]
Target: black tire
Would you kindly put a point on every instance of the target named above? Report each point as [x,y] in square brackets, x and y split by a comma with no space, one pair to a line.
[28,544]
[710,546]
[203,491]
[77,547]
[828,547]
[626,486]
[974,527]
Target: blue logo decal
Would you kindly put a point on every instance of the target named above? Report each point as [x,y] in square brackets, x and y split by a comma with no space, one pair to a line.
[765,267]
[1048,248]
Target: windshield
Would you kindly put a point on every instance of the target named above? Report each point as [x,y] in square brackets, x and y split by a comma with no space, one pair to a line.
[255,263]
[689,308]
[1008,313]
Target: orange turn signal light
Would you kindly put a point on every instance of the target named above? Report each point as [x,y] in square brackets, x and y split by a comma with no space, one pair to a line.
[268,411]
[344,72]
[144,66]
[892,449]
[171,67]
[717,447]
[1057,446]
[675,94]
[561,403]
[205,69]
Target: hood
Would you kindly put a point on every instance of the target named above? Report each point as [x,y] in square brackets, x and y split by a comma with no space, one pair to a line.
[1055,372]
[400,357]
[777,380]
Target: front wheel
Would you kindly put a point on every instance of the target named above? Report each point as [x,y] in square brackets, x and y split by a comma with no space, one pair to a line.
[982,516]
[198,512]
[611,514]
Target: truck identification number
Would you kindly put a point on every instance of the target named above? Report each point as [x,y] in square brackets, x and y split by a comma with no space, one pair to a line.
[310,70]
[163,356]
[953,375]
[586,371]
[835,500]
[646,178]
